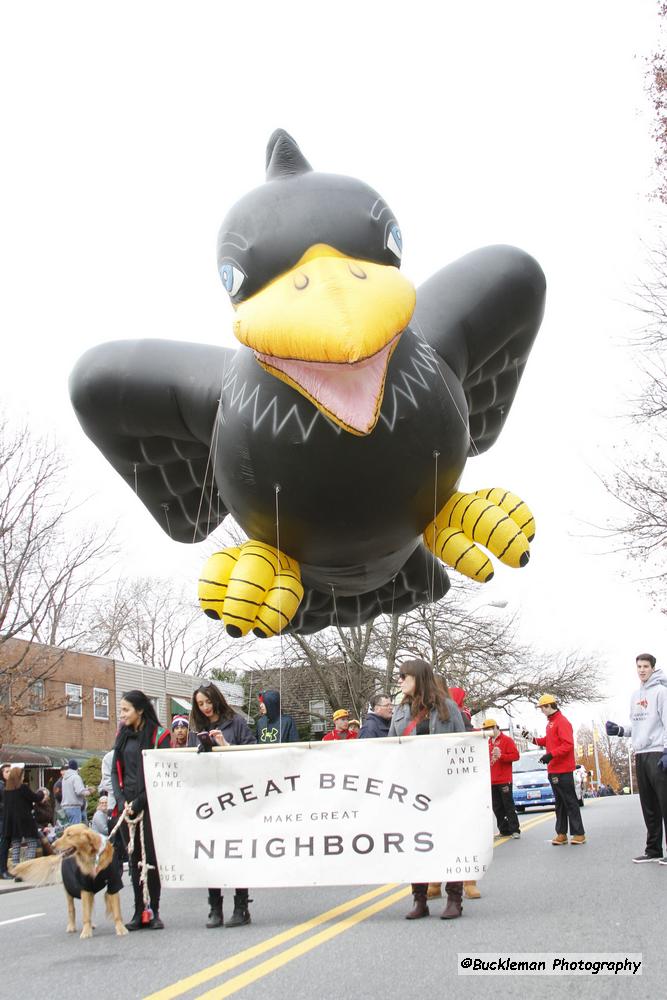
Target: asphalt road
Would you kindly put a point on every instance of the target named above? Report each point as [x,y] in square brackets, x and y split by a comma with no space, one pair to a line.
[353,942]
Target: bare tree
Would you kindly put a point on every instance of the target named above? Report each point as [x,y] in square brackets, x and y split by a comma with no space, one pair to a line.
[469,646]
[639,479]
[657,90]
[153,621]
[47,564]
[612,756]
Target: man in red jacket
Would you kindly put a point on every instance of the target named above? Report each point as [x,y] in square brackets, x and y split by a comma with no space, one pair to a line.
[559,758]
[502,751]
[341,721]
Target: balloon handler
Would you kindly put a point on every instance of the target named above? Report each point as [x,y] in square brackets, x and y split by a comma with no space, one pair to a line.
[337,434]
[559,758]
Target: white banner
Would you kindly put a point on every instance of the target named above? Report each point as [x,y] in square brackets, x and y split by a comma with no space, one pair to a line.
[363,812]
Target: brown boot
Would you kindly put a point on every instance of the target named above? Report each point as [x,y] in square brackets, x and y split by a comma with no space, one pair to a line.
[420,909]
[434,890]
[454,906]
[470,890]
[560,838]
[579,838]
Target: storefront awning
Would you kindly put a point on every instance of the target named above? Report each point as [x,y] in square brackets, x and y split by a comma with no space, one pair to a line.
[179,706]
[33,756]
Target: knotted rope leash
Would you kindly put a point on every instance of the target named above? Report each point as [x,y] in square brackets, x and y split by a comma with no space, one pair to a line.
[144,866]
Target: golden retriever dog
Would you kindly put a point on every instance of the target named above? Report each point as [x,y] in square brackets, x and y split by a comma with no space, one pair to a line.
[85,862]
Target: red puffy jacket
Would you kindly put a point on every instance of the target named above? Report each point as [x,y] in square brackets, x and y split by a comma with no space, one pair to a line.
[559,741]
[501,771]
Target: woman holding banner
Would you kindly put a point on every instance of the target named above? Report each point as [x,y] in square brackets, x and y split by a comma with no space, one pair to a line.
[426,709]
[140,730]
[215,723]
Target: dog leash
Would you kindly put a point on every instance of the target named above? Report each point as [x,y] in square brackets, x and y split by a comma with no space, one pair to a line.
[144,866]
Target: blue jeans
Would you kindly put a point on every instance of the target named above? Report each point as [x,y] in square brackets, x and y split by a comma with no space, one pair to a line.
[74,814]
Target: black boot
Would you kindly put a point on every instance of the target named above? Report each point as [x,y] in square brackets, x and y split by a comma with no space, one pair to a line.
[420,909]
[215,909]
[241,914]
[135,923]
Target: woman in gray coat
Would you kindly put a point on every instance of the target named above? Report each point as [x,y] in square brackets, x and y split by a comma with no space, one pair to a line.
[426,709]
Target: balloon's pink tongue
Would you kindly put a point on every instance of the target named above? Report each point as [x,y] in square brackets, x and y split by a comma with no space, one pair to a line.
[351,392]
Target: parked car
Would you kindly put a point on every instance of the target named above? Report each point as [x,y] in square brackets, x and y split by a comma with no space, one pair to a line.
[530,782]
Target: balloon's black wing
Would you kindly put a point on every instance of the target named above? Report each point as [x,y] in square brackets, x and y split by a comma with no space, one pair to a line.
[150,407]
[481,314]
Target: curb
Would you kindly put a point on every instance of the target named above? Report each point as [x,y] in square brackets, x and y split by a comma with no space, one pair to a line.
[14,888]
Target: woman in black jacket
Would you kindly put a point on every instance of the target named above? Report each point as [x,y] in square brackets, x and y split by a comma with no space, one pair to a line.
[19,821]
[140,730]
[215,723]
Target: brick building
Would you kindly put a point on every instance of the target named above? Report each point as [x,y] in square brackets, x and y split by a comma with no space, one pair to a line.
[71,709]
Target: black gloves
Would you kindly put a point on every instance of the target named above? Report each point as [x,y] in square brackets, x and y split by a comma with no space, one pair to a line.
[545,758]
[613,729]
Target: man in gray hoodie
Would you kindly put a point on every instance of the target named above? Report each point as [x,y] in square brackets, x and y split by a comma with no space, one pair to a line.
[75,794]
[648,729]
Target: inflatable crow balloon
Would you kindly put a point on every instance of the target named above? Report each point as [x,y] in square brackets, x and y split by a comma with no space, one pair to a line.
[337,433]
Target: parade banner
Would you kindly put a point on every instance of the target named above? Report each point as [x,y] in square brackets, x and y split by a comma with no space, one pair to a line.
[362,812]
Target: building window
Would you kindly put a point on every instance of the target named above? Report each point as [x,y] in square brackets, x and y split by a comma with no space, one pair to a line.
[5,693]
[101,704]
[36,696]
[73,693]
[317,711]
[155,702]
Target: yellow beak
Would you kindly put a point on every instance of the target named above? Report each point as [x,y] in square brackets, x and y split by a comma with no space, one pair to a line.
[328,327]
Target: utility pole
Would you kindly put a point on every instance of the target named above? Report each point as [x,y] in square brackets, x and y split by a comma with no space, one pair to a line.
[595,752]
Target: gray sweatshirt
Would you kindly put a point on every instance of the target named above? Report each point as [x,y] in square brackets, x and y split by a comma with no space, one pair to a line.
[648,715]
[73,789]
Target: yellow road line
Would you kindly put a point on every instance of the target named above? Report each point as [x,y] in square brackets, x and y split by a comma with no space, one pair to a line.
[204,975]
[271,964]
[238,982]
[525,826]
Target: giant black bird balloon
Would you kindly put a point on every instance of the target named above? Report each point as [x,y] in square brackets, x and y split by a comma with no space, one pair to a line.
[337,433]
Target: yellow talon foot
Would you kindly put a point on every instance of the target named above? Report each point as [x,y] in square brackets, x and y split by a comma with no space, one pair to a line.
[495,518]
[251,587]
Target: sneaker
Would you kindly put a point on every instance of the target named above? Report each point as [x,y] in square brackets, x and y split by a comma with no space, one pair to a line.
[662,861]
[579,838]
[643,858]
[516,836]
[559,839]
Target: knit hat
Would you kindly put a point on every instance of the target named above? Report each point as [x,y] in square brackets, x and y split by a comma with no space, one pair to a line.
[341,713]
[72,765]
[180,720]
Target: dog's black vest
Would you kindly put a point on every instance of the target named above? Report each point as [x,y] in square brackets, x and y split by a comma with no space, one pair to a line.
[110,878]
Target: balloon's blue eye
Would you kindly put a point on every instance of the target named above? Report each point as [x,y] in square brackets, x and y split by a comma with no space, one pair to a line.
[232,278]
[395,242]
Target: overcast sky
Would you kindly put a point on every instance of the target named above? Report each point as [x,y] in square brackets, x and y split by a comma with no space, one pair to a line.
[130,130]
